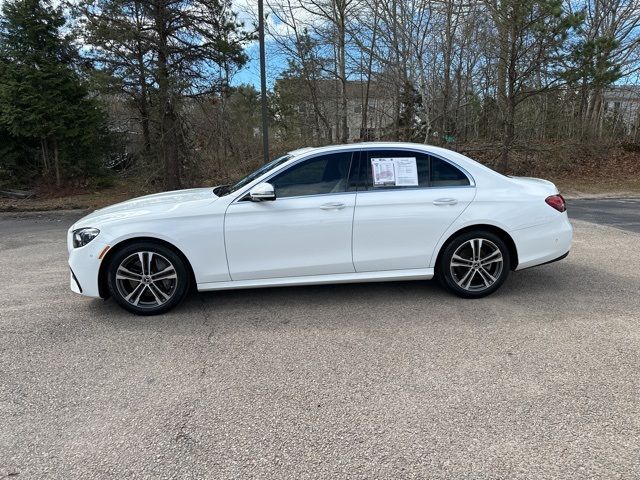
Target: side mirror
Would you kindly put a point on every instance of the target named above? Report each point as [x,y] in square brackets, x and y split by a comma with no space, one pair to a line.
[261,192]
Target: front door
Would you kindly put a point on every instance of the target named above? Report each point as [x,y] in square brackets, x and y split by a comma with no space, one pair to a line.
[306,230]
[406,201]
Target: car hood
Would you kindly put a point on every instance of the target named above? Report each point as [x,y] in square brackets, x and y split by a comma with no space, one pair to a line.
[157,203]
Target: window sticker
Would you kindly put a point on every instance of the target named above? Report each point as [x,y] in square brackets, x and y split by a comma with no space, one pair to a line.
[406,172]
[383,171]
[399,171]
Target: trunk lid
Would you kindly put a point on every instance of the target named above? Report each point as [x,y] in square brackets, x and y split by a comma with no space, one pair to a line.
[535,185]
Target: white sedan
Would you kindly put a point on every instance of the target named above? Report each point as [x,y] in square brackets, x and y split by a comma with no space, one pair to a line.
[349,213]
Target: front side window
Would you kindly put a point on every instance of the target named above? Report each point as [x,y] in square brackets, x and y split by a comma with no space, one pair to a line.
[316,176]
[226,189]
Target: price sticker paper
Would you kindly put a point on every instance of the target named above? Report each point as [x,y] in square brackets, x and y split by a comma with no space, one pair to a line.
[399,171]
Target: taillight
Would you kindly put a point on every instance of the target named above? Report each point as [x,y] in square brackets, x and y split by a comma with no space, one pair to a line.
[557,202]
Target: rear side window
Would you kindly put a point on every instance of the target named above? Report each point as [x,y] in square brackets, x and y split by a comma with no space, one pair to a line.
[396,169]
[316,176]
[443,174]
[401,169]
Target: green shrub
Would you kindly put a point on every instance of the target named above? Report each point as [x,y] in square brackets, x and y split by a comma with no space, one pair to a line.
[104,181]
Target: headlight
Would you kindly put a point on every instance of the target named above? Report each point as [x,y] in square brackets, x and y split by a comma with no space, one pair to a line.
[82,236]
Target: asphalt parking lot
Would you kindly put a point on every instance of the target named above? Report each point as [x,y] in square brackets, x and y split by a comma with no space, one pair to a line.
[621,213]
[388,380]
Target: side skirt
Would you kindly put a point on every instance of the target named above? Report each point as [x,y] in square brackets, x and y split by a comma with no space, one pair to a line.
[385,276]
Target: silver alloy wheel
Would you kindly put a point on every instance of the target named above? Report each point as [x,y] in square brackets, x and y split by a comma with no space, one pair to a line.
[146,279]
[476,264]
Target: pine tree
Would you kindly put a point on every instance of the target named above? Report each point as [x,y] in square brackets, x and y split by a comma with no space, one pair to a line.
[162,52]
[42,96]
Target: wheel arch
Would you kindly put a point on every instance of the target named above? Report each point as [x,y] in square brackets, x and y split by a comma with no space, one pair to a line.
[103,289]
[503,234]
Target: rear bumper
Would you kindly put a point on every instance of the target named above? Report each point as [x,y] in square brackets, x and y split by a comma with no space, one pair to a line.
[543,243]
[561,257]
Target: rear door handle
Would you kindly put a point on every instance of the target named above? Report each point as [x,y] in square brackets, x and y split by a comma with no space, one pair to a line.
[332,206]
[445,201]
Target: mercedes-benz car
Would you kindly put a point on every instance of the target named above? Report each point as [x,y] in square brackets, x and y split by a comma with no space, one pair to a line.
[349,213]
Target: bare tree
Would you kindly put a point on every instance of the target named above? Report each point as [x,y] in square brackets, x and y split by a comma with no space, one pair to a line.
[608,49]
[529,34]
[335,13]
[305,56]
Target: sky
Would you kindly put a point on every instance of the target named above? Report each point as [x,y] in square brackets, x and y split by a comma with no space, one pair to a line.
[247,11]
[251,72]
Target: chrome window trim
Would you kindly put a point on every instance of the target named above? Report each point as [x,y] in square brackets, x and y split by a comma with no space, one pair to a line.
[361,149]
[411,189]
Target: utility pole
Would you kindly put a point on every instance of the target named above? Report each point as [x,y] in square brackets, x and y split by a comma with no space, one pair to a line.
[263,83]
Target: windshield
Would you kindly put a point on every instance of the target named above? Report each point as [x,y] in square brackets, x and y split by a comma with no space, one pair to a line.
[226,189]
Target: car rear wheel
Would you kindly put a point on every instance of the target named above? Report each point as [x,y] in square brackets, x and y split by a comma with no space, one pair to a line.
[147,278]
[474,264]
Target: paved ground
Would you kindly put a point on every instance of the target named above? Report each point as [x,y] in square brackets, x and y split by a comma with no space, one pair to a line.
[617,212]
[394,380]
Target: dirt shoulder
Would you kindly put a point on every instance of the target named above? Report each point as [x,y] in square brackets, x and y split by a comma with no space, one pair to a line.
[570,188]
[579,171]
[599,188]
[77,201]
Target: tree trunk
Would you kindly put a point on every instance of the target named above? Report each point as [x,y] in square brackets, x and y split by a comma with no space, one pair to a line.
[400,79]
[45,155]
[168,119]
[319,116]
[364,126]
[146,131]
[508,57]
[342,75]
[447,60]
[143,101]
[510,110]
[584,102]
[143,108]
[501,89]
[595,112]
[509,118]
[169,129]
[56,161]
[509,133]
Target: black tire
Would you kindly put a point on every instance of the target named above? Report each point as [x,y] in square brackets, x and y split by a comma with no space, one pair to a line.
[452,276]
[157,292]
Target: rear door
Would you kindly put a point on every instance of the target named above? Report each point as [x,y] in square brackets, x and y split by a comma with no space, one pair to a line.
[406,200]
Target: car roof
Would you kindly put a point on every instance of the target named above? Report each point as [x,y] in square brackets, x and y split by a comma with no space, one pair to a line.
[368,145]
[299,151]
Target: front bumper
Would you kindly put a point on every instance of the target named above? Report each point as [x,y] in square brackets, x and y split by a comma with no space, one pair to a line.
[84,263]
[74,284]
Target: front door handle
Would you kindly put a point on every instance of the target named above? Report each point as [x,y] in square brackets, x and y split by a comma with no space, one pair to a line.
[445,201]
[332,206]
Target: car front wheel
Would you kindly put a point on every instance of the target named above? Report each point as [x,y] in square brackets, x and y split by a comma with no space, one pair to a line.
[147,278]
[474,264]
